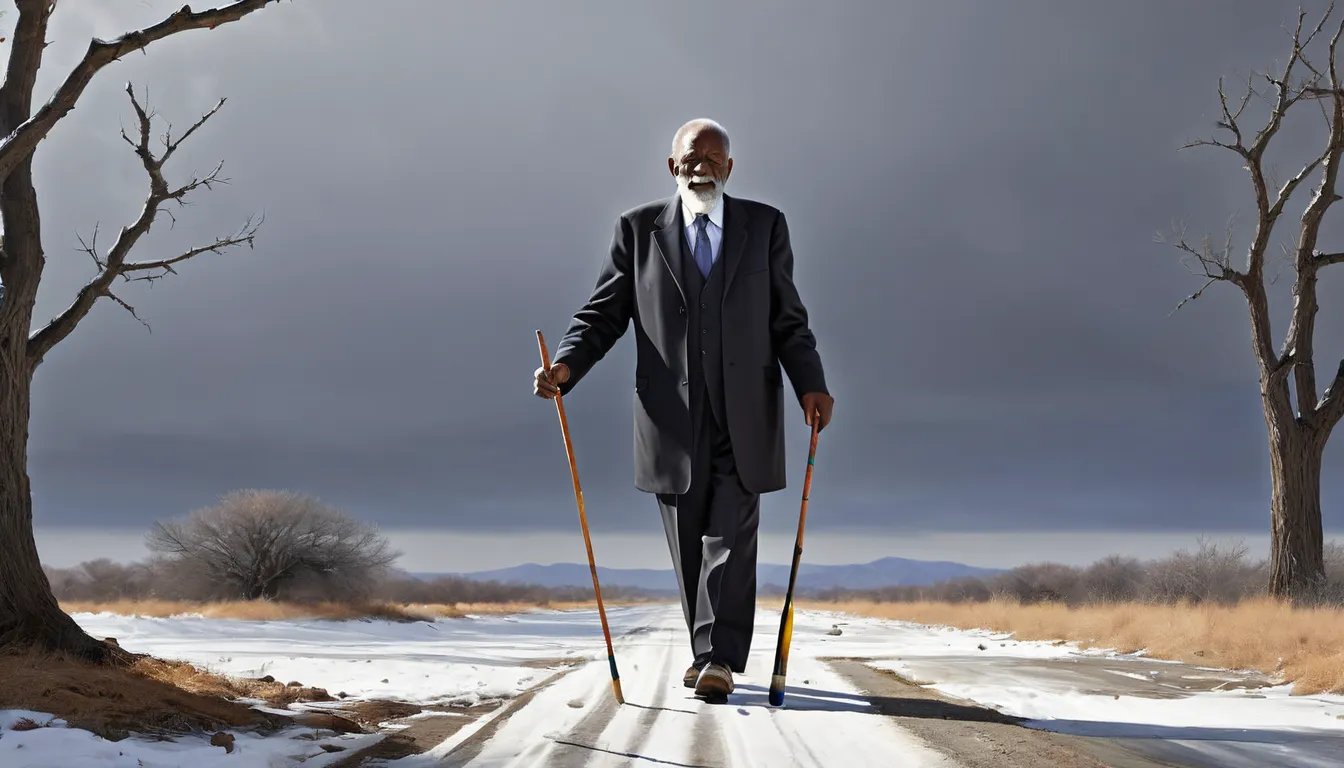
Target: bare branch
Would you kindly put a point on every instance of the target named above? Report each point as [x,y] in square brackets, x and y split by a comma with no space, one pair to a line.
[25,59]
[1299,339]
[91,248]
[1214,264]
[1283,366]
[245,236]
[21,143]
[1288,188]
[171,146]
[1330,410]
[22,264]
[1326,259]
[128,308]
[1286,97]
[114,263]
[1193,296]
[1228,123]
[1237,148]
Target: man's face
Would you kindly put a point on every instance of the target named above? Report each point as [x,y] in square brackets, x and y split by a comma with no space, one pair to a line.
[701,166]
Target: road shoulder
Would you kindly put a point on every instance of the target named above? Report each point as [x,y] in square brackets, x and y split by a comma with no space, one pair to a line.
[976,736]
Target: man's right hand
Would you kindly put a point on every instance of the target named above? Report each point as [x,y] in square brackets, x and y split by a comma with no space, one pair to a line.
[547,384]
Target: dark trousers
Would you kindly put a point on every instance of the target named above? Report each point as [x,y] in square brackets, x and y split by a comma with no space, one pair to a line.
[711,532]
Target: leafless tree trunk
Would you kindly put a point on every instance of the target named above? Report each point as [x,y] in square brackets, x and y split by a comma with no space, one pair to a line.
[29,613]
[1298,431]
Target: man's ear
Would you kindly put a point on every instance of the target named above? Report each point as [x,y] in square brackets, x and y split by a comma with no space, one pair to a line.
[671,166]
[728,169]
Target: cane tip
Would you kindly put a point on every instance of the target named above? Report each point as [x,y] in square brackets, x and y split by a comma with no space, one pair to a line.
[776,697]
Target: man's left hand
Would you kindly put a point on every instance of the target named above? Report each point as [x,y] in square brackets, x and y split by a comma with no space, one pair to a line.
[818,404]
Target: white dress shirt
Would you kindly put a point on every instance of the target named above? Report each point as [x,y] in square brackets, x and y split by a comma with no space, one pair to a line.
[714,229]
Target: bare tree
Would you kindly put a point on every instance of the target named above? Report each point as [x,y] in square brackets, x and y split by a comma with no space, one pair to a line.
[1039,583]
[256,542]
[29,613]
[1113,579]
[1299,421]
[1210,575]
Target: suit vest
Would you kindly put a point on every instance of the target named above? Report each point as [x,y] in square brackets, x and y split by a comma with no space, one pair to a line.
[704,338]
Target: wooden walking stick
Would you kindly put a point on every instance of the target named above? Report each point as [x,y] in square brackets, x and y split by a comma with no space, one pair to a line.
[583,521]
[786,616]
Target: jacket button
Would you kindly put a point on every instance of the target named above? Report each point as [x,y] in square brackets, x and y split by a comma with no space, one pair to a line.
[681,310]
[684,382]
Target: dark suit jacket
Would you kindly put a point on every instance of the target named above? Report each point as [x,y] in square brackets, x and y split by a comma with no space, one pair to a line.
[764,325]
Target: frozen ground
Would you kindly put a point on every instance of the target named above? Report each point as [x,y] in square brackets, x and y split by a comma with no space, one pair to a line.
[1189,715]
[1180,714]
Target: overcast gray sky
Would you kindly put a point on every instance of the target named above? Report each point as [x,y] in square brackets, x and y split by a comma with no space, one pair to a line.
[972,189]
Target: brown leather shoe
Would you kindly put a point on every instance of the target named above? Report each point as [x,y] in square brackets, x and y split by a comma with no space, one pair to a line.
[715,681]
[692,675]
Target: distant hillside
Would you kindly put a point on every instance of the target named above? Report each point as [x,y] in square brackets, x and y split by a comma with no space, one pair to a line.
[886,572]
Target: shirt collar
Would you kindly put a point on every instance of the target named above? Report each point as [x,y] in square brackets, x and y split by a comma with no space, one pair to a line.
[715,215]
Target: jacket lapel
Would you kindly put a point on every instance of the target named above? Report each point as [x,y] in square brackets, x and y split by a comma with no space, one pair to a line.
[668,237]
[734,239]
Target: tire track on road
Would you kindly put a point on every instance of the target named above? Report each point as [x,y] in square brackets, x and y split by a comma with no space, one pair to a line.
[677,730]
[461,754]
[590,688]
[617,730]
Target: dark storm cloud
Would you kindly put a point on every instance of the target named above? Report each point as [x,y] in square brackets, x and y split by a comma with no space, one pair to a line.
[972,189]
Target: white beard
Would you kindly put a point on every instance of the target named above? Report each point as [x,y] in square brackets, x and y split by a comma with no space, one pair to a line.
[699,201]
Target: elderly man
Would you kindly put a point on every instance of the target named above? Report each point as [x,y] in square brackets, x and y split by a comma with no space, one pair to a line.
[707,280]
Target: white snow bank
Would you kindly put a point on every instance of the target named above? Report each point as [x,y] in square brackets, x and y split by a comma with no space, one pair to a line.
[1060,687]
[449,661]
[457,661]
[57,746]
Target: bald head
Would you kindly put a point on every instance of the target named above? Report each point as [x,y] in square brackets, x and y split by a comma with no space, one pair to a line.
[690,131]
[700,163]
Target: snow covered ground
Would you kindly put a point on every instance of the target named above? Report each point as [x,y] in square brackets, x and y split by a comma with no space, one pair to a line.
[1226,718]
[56,746]
[480,658]
[457,661]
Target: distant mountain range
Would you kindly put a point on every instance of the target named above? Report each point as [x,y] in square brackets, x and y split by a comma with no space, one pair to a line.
[886,572]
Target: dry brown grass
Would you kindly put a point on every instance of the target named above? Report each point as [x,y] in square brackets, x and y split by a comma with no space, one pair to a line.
[1302,646]
[151,696]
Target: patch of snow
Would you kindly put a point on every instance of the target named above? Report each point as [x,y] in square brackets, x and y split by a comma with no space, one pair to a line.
[1234,726]
[453,661]
[1172,710]
[57,746]
[449,661]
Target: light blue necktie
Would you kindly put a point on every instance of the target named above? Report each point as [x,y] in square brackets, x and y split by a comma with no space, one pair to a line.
[704,257]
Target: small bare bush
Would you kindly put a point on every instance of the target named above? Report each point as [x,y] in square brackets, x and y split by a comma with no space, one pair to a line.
[1113,579]
[1039,583]
[963,590]
[254,544]
[1208,575]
